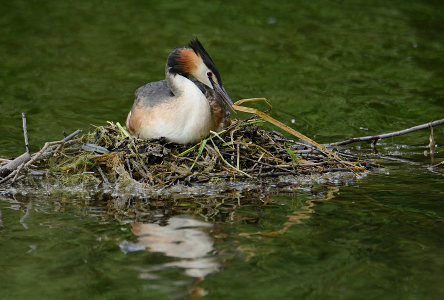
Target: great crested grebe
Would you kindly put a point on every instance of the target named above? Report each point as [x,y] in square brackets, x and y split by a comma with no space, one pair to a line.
[181,109]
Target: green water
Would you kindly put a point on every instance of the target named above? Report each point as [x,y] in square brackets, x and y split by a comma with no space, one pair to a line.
[332,69]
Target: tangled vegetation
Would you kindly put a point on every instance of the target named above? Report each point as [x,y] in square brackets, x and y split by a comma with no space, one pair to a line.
[242,151]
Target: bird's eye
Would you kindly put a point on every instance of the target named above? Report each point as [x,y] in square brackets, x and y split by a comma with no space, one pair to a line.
[209,74]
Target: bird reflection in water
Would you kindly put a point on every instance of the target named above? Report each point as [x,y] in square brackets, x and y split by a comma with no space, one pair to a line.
[183,238]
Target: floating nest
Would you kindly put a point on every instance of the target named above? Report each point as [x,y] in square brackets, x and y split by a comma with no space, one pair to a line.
[243,151]
[137,177]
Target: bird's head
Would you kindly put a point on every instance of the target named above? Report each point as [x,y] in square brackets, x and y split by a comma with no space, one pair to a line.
[195,61]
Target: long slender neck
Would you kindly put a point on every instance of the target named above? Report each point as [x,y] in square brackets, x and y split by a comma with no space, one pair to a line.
[190,110]
[175,82]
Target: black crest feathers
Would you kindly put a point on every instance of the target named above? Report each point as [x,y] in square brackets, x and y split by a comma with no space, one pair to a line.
[200,50]
[176,64]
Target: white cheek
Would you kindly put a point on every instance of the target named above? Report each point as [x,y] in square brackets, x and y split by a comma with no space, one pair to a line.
[202,75]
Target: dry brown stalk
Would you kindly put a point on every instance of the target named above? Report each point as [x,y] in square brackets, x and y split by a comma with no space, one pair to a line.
[290,130]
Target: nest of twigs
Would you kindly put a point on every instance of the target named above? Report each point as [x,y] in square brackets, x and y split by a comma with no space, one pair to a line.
[109,154]
[242,151]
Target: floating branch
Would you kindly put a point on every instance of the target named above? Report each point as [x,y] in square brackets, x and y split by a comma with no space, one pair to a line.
[437,165]
[15,166]
[375,138]
[19,161]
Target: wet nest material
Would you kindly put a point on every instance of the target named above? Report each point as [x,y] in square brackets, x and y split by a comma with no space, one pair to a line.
[244,152]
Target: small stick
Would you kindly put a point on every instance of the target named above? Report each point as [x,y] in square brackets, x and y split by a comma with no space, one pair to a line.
[26,164]
[260,158]
[48,152]
[260,171]
[9,176]
[72,135]
[105,180]
[432,144]
[262,163]
[12,165]
[142,170]
[129,168]
[390,134]
[261,148]
[25,131]
[437,165]
[13,168]
[40,153]
[237,159]
[18,172]
[226,162]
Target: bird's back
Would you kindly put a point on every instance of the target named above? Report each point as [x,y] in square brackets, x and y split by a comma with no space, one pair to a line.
[154,93]
[158,92]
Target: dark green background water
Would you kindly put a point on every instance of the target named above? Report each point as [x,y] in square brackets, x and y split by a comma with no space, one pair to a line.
[332,69]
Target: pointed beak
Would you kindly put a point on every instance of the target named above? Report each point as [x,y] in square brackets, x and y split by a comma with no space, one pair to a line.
[222,93]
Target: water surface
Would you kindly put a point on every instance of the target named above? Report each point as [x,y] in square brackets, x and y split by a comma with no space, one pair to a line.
[331,69]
